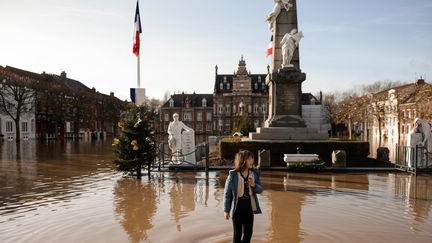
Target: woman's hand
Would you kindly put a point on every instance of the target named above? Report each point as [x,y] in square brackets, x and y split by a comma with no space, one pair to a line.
[226,215]
[251,181]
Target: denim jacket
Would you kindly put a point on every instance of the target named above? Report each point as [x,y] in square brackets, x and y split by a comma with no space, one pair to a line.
[230,192]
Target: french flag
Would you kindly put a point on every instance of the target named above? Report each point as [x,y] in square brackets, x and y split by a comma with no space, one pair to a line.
[137,32]
[270,47]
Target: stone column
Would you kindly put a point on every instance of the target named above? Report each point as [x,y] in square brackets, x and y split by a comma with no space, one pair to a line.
[285,91]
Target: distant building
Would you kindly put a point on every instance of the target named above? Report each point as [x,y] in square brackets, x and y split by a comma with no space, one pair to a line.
[391,114]
[195,110]
[66,108]
[236,95]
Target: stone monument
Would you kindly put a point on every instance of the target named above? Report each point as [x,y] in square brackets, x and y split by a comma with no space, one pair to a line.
[284,79]
[420,136]
[181,141]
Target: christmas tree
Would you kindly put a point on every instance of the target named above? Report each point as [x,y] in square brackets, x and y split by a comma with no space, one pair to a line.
[136,146]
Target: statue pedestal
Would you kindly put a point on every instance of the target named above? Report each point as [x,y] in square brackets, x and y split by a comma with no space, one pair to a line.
[285,98]
[285,120]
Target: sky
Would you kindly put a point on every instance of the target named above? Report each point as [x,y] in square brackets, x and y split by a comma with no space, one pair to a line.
[347,43]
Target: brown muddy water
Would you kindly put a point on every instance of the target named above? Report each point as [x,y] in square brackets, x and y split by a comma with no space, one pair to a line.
[69,192]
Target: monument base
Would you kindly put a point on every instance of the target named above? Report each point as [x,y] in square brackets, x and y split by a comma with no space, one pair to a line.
[285,121]
[287,133]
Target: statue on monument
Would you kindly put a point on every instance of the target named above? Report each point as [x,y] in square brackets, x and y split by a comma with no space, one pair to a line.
[290,42]
[279,4]
[175,129]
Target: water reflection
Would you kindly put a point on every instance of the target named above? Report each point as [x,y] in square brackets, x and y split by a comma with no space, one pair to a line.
[182,199]
[135,206]
[417,192]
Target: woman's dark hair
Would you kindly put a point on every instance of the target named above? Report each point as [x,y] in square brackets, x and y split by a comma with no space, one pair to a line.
[240,159]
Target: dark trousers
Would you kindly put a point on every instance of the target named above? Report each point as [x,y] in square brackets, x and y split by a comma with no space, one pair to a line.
[243,220]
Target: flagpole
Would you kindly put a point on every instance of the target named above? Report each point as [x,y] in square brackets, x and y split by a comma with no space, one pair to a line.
[138,70]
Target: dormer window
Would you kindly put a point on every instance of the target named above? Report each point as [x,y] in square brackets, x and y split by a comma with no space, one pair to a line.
[259,79]
[204,102]
[225,79]
[221,86]
[171,103]
[228,86]
[256,85]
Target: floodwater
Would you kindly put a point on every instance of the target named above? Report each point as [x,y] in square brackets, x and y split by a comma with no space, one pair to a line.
[69,192]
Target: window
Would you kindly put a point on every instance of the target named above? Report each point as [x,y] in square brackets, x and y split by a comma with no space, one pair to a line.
[171,103]
[221,86]
[199,116]
[24,126]
[228,86]
[209,115]
[259,79]
[204,102]
[187,116]
[228,108]
[414,113]
[199,126]
[255,108]
[256,85]
[209,127]
[264,108]
[220,108]
[166,117]
[9,126]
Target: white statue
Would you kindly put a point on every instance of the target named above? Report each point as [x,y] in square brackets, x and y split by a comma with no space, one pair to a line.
[421,136]
[424,128]
[290,42]
[175,129]
[279,4]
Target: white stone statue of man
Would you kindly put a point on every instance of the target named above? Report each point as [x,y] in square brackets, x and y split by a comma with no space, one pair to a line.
[175,129]
[290,42]
[271,17]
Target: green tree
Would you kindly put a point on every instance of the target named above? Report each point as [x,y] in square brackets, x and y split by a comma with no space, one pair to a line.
[136,146]
[244,126]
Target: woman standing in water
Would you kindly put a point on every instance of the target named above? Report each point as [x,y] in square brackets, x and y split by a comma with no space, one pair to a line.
[240,196]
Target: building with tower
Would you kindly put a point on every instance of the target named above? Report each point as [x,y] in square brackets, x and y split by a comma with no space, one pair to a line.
[237,95]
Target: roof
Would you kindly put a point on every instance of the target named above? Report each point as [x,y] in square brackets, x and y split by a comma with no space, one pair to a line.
[195,100]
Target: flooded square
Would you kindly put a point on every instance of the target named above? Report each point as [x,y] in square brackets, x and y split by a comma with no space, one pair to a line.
[70,192]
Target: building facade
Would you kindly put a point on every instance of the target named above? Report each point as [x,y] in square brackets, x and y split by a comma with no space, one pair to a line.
[238,95]
[392,112]
[195,111]
[64,108]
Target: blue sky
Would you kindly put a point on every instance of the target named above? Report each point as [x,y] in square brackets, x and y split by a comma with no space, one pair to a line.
[347,43]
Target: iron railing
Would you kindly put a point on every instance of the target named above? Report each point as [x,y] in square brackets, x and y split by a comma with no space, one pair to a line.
[413,159]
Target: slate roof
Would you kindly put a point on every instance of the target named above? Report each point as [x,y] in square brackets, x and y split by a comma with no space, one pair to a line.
[194,99]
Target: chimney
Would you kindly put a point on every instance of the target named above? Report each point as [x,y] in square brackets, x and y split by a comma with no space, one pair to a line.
[420,81]
[63,75]
[112,94]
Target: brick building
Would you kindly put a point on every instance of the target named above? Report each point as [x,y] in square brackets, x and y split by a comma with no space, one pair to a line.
[236,95]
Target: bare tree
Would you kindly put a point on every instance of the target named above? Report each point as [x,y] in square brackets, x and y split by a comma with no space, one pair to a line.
[16,98]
